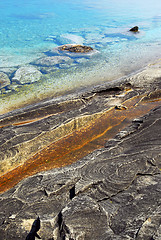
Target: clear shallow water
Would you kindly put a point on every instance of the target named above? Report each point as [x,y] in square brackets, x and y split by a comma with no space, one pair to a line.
[30,29]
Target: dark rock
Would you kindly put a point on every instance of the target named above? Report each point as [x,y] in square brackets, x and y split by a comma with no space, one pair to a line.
[134,29]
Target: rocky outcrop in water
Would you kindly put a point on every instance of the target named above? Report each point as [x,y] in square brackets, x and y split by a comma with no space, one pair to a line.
[134,29]
[73,50]
[76,48]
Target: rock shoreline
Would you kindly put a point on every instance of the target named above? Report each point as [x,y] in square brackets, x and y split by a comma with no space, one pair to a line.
[113,192]
[58,58]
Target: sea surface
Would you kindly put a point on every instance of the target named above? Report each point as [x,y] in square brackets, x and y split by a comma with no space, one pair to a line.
[32,29]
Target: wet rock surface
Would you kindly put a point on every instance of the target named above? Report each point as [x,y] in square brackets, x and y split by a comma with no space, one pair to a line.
[112,193]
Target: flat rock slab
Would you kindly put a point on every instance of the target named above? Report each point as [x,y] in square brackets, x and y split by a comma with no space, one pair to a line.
[113,193]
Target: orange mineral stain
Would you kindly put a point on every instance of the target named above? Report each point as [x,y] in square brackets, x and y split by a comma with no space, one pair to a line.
[78,144]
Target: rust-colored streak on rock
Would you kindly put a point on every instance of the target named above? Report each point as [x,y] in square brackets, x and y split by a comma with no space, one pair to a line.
[27,121]
[79,143]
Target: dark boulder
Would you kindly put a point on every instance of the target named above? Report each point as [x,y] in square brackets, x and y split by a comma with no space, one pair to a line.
[134,29]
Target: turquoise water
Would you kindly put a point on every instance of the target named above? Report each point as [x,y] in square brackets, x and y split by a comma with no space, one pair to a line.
[29,30]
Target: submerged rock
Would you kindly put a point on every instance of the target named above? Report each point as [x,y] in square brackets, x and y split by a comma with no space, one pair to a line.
[76,48]
[51,61]
[4,80]
[134,29]
[27,75]
[70,38]
[65,39]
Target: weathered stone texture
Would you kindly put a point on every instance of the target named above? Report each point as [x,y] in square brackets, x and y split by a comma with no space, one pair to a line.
[113,193]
